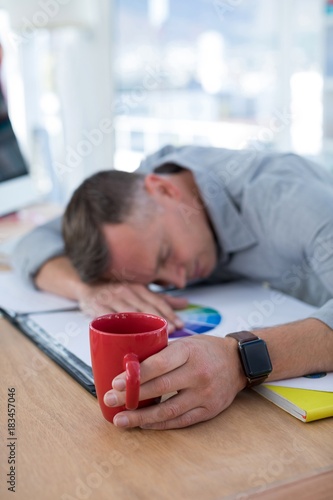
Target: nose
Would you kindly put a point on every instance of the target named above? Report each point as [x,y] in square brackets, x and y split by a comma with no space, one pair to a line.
[178,277]
[172,274]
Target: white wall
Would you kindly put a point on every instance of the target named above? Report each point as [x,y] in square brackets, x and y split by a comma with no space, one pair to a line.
[64,49]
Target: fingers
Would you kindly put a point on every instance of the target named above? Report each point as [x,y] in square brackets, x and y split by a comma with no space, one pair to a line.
[171,357]
[158,376]
[131,297]
[185,420]
[177,412]
[97,309]
[143,300]
[160,304]
[175,302]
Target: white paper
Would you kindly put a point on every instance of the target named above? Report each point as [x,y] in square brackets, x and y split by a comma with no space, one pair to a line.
[21,298]
[324,383]
[70,328]
[246,306]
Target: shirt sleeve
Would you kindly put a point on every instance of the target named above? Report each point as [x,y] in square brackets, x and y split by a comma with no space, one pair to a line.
[325,314]
[37,247]
[320,257]
[294,208]
[317,250]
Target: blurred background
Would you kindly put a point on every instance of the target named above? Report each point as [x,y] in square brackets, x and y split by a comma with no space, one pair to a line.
[94,84]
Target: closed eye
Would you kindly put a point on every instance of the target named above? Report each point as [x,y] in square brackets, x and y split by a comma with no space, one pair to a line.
[163,257]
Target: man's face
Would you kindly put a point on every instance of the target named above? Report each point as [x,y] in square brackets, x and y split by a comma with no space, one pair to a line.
[169,249]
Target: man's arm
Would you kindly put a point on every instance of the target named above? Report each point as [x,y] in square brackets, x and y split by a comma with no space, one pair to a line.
[299,348]
[43,243]
[59,276]
[39,259]
[207,374]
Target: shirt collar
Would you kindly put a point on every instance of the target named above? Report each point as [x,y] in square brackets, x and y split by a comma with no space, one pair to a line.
[232,231]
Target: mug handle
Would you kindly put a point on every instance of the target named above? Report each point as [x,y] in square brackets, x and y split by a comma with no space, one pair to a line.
[132,367]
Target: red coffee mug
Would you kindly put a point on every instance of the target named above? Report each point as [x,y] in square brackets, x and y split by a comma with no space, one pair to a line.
[119,342]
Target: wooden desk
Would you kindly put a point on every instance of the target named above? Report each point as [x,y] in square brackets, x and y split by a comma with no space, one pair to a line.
[66,450]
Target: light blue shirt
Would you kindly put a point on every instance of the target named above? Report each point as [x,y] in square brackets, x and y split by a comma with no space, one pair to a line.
[272,215]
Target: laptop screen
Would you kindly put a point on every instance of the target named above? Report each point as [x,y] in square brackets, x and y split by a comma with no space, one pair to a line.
[17,188]
[12,163]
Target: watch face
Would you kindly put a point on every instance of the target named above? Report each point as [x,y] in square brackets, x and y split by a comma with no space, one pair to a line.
[255,358]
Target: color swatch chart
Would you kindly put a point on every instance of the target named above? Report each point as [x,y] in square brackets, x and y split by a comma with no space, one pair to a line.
[197,319]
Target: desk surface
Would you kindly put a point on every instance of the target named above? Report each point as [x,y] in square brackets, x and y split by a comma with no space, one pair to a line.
[66,450]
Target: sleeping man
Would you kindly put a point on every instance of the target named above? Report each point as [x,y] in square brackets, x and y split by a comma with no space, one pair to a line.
[191,215]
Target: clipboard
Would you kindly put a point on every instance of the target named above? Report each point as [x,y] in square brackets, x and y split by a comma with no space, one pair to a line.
[30,304]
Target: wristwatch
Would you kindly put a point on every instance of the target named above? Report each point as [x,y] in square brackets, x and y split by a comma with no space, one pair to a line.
[254,357]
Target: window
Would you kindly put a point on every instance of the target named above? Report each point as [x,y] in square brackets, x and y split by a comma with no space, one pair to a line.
[105,82]
[210,72]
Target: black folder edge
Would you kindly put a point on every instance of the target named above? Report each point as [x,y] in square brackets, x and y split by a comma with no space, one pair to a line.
[74,366]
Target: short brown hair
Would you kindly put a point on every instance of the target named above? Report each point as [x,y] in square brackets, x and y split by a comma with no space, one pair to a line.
[106,197]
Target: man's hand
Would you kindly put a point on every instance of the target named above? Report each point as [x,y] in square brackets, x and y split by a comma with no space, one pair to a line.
[105,298]
[205,372]
[58,276]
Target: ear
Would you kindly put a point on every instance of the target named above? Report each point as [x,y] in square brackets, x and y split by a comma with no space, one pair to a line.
[160,187]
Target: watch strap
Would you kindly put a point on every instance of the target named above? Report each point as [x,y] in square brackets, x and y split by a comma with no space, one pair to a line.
[255,381]
[243,337]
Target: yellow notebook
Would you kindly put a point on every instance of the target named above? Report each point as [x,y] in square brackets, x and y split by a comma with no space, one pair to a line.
[304,404]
